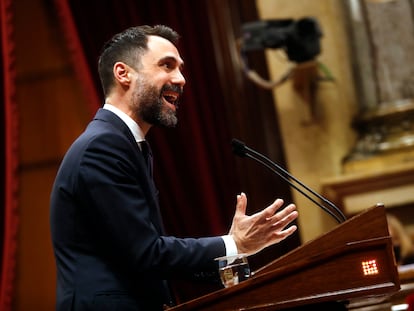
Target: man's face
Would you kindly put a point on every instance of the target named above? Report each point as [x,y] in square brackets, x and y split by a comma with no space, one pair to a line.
[159,83]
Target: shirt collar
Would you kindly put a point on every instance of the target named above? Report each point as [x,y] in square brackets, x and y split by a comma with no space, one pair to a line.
[132,125]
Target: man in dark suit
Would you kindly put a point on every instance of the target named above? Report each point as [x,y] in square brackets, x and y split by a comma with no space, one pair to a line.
[111,251]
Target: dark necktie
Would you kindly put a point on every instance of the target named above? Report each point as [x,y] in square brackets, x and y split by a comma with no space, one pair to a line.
[147,153]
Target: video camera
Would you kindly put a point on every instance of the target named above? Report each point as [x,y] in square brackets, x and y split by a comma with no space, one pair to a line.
[300,38]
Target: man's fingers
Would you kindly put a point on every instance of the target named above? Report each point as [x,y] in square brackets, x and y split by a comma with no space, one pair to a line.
[286,232]
[287,211]
[241,204]
[269,211]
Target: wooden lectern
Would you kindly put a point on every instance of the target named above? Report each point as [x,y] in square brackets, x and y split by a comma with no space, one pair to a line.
[354,261]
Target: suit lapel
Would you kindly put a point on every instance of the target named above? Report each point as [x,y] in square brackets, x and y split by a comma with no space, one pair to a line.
[151,192]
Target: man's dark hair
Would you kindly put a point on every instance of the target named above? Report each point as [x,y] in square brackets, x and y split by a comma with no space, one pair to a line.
[127,46]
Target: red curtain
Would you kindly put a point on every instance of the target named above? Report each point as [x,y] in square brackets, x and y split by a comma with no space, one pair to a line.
[76,49]
[9,141]
[194,166]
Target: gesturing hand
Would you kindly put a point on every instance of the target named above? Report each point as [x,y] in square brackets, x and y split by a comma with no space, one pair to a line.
[256,232]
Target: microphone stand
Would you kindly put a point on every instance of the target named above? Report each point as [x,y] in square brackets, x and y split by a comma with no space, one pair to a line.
[242,150]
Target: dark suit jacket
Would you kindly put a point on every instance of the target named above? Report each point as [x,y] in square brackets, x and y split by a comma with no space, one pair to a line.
[106,230]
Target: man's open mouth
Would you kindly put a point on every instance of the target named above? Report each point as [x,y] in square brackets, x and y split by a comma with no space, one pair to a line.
[171,97]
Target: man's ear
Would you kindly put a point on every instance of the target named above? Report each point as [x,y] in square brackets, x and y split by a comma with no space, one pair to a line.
[122,73]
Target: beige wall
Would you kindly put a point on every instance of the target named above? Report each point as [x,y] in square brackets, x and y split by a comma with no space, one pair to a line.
[315,129]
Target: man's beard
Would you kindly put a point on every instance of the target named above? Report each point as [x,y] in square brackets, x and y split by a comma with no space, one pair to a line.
[151,107]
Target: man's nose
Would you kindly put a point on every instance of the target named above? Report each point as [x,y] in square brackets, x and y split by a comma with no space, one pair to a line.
[178,78]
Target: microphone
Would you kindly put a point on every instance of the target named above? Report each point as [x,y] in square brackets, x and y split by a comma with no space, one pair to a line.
[240,149]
